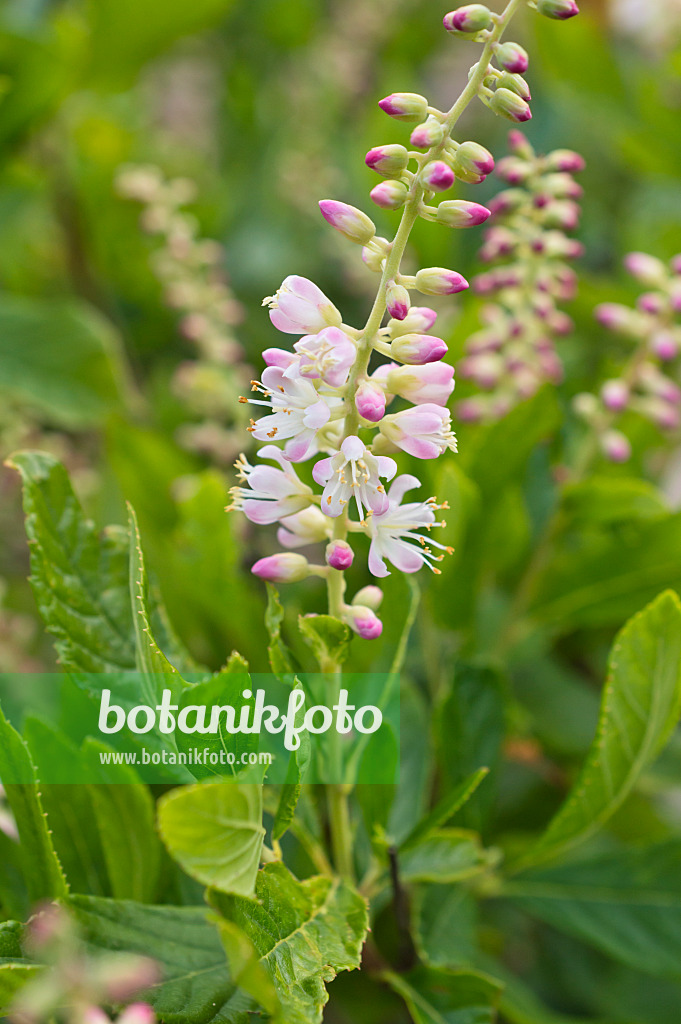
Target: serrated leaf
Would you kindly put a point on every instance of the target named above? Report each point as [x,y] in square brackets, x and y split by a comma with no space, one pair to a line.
[327,637]
[224,688]
[447,997]
[295,772]
[639,710]
[215,833]
[444,855]
[39,862]
[304,933]
[245,966]
[196,986]
[627,904]
[80,579]
[281,660]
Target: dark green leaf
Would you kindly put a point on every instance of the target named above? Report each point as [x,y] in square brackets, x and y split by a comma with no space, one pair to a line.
[444,855]
[446,808]
[447,997]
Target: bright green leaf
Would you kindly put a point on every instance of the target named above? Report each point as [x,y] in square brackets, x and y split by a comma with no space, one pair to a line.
[327,637]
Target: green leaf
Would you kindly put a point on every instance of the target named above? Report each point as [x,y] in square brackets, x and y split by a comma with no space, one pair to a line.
[10,939]
[327,637]
[14,974]
[149,658]
[196,986]
[297,766]
[124,812]
[215,833]
[40,865]
[639,710]
[446,808]
[445,855]
[60,359]
[611,499]
[470,729]
[14,901]
[224,688]
[627,904]
[245,966]
[304,933]
[281,661]
[80,579]
[445,924]
[447,997]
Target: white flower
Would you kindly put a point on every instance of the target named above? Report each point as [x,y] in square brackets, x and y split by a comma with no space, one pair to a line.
[328,355]
[392,535]
[298,412]
[354,472]
[300,307]
[271,494]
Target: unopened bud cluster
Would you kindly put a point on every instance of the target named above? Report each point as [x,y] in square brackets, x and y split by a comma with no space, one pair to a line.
[646,385]
[528,247]
[189,269]
[74,984]
[359,397]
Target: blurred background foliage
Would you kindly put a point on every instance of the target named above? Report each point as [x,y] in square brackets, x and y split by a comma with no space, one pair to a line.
[269,105]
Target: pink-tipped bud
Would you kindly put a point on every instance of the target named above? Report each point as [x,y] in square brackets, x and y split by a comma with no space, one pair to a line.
[507,201]
[390,195]
[559,10]
[137,1013]
[428,134]
[279,357]
[512,57]
[431,383]
[651,302]
[437,176]
[370,596]
[285,567]
[665,345]
[471,410]
[350,221]
[416,349]
[375,252]
[339,554]
[514,170]
[615,395]
[438,281]
[647,269]
[516,83]
[419,320]
[472,162]
[123,978]
[469,19]
[561,185]
[458,213]
[518,144]
[510,105]
[675,264]
[397,301]
[615,446]
[363,621]
[88,1015]
[404,106]
[387,160]
[614,316]
[370,401]
[565,160]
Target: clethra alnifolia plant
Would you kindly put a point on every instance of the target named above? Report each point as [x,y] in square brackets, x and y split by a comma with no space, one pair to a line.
[358,397]
[644,386]
[514,353]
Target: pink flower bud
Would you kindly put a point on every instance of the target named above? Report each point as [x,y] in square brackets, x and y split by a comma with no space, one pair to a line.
[469,19]
[559,10]
[517,84]
[565,160]
[390,195]
[339,554]
[560,323]
[438,281]
[370,401]
[615,446]
[418,320]
[675,264]
[416,349]
[137,1013]
[458,213]
[429,383]
[615,395]
[428,134]
[300,307]
[514,170]
[471,410]
[122,979]
[437,176]
[510,105]
[663,414]
[405,106]
[665,345]
[89,1015]
[613,315]
[363,621]
[397,301]
[285,567]
[561,186]
[375,252]
[351,222]
[519,145]
[647,269]
[561,213]
[370,596]
[651,302]
[472,162]
[387,160]
[512,57]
